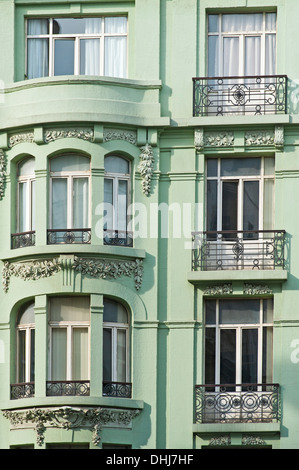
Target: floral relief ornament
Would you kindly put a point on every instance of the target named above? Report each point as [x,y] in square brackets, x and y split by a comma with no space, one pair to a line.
[2,174]
[145,167]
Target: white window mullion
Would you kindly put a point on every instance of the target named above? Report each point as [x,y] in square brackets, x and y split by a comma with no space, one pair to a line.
[51,49]
[70,208]
[77,56]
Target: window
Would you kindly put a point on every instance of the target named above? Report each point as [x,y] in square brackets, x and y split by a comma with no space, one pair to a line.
[26,195]
[115,343]
[116,197]
[69,344]
[241,44]
[240,194]
[69,212]
[77,46]
[238,341]
[25,344]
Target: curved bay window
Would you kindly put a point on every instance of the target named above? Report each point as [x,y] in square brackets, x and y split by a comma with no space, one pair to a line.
[116,350]
[69,199]
[25,335]
[116,197]
[69,330]
[25,235]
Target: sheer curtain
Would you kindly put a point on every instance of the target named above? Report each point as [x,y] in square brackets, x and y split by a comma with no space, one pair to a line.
[90,48]
[38,49]
[115,47]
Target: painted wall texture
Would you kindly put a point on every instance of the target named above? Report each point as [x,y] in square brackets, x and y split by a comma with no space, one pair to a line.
[149,171]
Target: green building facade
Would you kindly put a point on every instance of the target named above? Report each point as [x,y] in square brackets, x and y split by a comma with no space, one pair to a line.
[149,170]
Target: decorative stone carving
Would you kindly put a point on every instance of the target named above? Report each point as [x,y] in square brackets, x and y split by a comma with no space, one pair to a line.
[256,289]
[82,133]
[279,136]
[222,289]
[252,441]
[70,418]
[145,167]
[218,139]
[110,269]
[29,271]
[21,138]
[220,441]
[2,174]
[117,134]
[259,138]
[199,138]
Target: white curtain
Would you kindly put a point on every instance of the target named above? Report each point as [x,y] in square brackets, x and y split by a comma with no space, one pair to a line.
[115,47]
[38,50]
[80,203]
[90,48]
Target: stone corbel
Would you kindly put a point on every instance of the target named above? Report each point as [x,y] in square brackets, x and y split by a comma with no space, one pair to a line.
[279,136]
[146,167]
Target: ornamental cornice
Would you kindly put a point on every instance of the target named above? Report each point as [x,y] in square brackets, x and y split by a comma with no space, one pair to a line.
[216,139]
[221,289]
[256,289]
[51,135]
[146,167]
[20,138]
[70,418]
[118,134]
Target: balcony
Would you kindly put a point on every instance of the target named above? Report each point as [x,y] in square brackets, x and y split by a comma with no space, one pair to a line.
[22,239]
[246,403]
[117,389]
[22,390]
[238,250]
[118,238]
[250,95]
[68,236]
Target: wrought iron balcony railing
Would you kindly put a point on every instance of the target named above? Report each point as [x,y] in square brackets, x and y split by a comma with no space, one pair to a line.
[118,238]
[68,236]
[68,388]
[255,249]
[117,389]
[22,390]
[255,95]
[246,403]
[22,239]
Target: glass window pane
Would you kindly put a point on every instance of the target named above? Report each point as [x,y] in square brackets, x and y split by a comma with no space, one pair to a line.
[59,203]
[68,25]
[107,355]
[121,356]
[230,205]
[269,166]
[59,354]
[70,162]
[37,26]
[70,308]
[64,57]
[122,205]
[109,209]
[26,167]
[37,58]
[210,355]
[115,57]
[268,204]
[267,370]
[270,21]
[114,312]
[22,356]
[116,165]
[32,355]
[268,310]
[212,167]
[249,356]
[230,56]
[213,23]
[80,354]
[213,56]
[80,203]
[242,22]
[23,207]
[26,315]
[239,311]
[116,25]
[252,55]
[240,166]
[251,206]
[90,57]
[228,356]
[270,54]
[212,205]
[210,312]
[32,205]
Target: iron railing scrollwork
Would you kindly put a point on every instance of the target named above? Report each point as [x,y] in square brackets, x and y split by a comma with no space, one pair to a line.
[245,403]
[117,389]
[118,238]
[22,239]
[22,390]
[68,388]
[68,236]
[255,95]
[255,249]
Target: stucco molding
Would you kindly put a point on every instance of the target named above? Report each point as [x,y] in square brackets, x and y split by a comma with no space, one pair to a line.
[256,289]
[2,174]
[51,135]
[218,139]
[70,418]
[146,167]
[221,289]
[252,441]
[20,138]
[279,136]
[261,137]
[117,134]
[220,441]
[199,138]
[110,269]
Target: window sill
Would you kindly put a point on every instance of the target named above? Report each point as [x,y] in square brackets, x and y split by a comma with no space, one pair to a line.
[236,428]
[203,277]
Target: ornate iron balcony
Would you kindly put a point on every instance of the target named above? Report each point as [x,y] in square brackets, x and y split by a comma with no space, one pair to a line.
[256,95]
[22,390]
[68,388]
[238,250]
[68,236]
[22,239]
[118,238]
[117,389]
[246,403]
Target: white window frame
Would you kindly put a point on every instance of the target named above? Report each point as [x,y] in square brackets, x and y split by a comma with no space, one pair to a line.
[29,180]
[239,328]
[69,176]
[28,328]
[76,37]
[115,327]
[241,179]
[241,35]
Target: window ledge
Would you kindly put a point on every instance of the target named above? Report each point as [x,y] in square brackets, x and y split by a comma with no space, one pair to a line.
[202,277]
[240,120]
[227,428]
